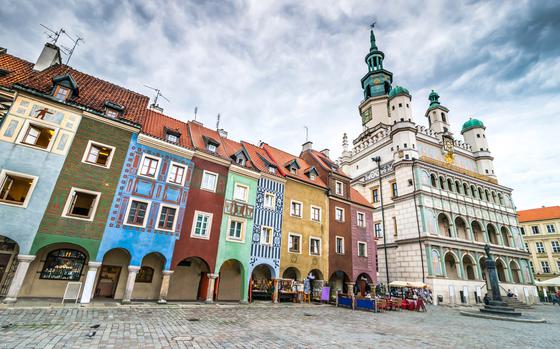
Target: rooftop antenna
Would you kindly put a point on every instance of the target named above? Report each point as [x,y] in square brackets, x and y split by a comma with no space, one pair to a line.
[195,112]
[155,104]
[306,134]
[70,51]
[53,35]
[218,122]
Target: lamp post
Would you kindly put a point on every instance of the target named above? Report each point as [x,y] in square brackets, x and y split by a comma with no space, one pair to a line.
[377,159]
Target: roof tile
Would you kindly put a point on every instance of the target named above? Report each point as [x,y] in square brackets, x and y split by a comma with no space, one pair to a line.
[539,214]
[156,123]
[17,69]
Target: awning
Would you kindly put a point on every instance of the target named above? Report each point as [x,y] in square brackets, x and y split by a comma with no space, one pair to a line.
[413,284]
[550,282]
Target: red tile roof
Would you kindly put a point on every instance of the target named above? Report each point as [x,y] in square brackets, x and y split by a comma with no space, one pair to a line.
[93,92]
[198,132]
[17,69]
[539,214]
[156,123]
[358,198]
[282,159]
[326,162]
[257,154]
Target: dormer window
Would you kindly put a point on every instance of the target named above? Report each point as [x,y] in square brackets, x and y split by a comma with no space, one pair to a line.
[111,113]
[172,135]
[240,161]
[172,138]
[64,87]
[292,170]
[312,176]
[113,110]
[211,148]
[61,93]
[271,169]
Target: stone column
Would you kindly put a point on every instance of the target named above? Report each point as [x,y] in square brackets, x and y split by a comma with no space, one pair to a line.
[275,294]
[350,286]
[132,272]
[89,285]
[210,292]
[17,281]
[164,286]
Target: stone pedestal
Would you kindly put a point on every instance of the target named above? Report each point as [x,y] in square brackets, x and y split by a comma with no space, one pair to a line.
[210,291]
[132,272]
[89,285]
[164,286]
[19,276]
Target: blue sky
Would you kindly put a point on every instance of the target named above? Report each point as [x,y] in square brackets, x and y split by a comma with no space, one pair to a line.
[272,67]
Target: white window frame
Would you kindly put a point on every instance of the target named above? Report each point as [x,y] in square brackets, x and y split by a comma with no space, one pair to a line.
[73,190]
[336,244]
[549,230]
[209,225]
[168,179]
[375,230]
[311,213]
[301,208]
[4,173]
[533,227]
[161,206]
[268,243]
[336,184]
[365,248]
[358,219]
[141,164]
[204,173]
[543,263]
[320,245]
[243,222]
[541,247]
[146,219]
[343,214]
[23,132]
[88,148]
[273,200]
[300,243]
[239,185]
[555,246]
[212,148]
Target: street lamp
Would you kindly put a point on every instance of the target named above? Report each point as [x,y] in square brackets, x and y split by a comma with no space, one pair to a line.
[377,159]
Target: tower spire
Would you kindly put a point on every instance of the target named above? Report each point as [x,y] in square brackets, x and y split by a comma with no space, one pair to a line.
[372,41]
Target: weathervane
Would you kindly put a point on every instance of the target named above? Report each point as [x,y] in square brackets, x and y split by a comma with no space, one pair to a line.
[372,25]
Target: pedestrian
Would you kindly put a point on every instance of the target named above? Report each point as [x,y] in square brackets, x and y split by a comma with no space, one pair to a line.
[486,299]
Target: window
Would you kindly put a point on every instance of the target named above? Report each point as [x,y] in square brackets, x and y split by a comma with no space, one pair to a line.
[555,246]
[558,265]
[465,189]
[241,192]
[145,274]
[211,148]
[527,247]
[294,243]
[271,169]
[378,232]
[339,245]
[312,176]
[433,180]
[266,235]
[269,200]
[550,228]
[535,229]
[293,170]
[395,227]
[375,195]
[315,213]
[209,181]
[63,264]
[339,214]
[545,267]
[295,209]
[81,204]
[202,224]
[167,217]
[176,174]
[436,262]
[362,249]
[236,230]
[111,113]
[98,154]
[394,189]
[38,136]
[136,213]
[172,138]
[522,230]
[61,93]
[315,246]
[540,247]
[532,267]
[16,188]
[149,166]
[339,188]
[240,161]
[361,219]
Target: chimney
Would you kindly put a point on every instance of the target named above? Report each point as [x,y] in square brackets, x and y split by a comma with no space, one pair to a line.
[325,152]
[156,107]
[307,146]
[222,133]
[49,57]
[3,50]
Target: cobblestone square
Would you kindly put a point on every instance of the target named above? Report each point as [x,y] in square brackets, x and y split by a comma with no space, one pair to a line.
[266,326]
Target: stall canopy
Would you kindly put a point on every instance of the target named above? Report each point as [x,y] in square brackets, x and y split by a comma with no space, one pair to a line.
[407,284]
[550,282]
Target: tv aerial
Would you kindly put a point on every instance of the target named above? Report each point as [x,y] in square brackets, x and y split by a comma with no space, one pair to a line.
[155,104]
[54,36]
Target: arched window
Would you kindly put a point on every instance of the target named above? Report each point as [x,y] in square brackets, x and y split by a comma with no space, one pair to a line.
[434,180]
[443,117]
[473,191]
[436,262]
[480,194]
[501,198]
[63,264]
[465,189]
[449,184]
[458,187]
[494,197]
[441,183]
[487,193]
[145,274]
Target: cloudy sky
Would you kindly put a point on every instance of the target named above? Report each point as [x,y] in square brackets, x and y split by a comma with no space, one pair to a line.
[272,67]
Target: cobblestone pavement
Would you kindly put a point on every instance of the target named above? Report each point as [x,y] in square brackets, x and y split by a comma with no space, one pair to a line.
[267,326]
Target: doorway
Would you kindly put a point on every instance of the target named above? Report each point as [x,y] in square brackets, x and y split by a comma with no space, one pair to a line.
[108,280]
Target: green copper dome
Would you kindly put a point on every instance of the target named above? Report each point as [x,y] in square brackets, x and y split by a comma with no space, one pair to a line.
[472,123]
[398,90]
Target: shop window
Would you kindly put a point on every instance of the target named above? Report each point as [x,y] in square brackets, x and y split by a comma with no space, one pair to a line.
[241,192]
[339,214]
[362,249]
[145,274]
[16,188]
[266,235]
[137,211]
[209,181]
[294,243]
[236,230]
[63,264]
[81,204]
[149,166]
[315,246]
[339,245]
[38,136]
[361,219]
[269,200]
[167,217]
[315,214]
[202,224]
[98,154]
[295,209]
[176,174]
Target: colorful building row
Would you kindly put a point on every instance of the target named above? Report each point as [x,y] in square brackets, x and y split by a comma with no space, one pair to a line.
[100,189]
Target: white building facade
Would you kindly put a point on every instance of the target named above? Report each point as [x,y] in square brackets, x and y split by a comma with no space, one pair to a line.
[442,201]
